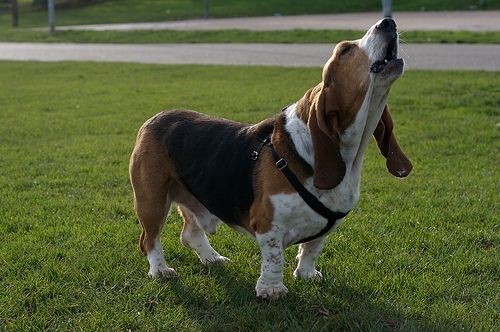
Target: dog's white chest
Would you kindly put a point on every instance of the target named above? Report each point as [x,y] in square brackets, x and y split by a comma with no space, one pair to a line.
[298,220]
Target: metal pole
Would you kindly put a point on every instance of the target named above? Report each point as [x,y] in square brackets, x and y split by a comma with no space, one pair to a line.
[52,17]
[205,9]
[387,7]
[15,14]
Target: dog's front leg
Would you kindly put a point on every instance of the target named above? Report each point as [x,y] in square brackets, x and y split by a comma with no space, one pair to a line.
[307,256]
[270,283]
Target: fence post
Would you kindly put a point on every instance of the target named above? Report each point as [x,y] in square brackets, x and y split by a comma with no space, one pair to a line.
[205,9]
[15,13]
[52,17]
[387,7]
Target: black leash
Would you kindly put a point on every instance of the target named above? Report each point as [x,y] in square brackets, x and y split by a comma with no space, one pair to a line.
[306,195]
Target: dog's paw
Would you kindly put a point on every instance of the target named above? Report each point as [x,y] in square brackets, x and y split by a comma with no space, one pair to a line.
[272,292]
[307,274]
[215,260]
[162,272]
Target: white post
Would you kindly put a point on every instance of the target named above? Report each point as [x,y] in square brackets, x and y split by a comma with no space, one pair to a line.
[52,17]
[387,7]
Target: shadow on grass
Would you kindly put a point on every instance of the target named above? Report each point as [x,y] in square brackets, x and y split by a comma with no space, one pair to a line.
[226,302]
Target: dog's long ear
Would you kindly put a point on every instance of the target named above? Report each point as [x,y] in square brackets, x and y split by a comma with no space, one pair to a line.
[397,162]
[329,167]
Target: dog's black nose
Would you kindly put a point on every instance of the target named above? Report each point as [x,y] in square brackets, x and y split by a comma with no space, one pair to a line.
[387,24]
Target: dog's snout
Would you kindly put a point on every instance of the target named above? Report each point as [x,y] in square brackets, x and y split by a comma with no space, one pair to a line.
[387,24]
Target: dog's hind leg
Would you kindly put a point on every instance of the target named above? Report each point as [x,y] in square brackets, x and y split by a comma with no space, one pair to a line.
[152,204]
[152,215]
[193,236]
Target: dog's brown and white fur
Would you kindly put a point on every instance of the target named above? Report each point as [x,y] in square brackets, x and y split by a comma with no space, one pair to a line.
[203,163]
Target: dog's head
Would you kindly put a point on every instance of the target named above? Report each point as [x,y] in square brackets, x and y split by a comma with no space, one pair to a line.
[350,103]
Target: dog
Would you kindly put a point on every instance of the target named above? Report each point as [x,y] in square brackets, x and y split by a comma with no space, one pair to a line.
[287,180]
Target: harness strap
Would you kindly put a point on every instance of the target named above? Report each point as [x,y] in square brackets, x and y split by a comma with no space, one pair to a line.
[256,152]
[308,197]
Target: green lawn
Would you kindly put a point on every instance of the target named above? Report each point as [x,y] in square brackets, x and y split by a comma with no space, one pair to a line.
[420,254]
[239,36]
[114,11]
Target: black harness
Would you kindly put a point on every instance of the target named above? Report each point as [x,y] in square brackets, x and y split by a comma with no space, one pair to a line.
[311,200]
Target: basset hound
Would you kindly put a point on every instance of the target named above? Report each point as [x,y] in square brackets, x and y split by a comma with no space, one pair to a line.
[286,180]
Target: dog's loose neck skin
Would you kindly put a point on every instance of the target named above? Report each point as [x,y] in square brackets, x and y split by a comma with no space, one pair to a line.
[366,121]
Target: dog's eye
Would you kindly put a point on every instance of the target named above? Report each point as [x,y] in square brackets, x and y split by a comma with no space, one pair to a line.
[345,50]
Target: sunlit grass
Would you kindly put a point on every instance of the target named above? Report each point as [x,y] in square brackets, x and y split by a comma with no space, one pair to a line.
[421,254]
[238,36]
[124,11]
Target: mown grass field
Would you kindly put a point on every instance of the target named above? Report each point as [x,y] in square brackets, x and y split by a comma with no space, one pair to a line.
[119,11]
[420,254]
[152,11]
[239,36]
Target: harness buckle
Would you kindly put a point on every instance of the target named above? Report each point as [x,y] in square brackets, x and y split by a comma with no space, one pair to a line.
[255,154]
[281,164]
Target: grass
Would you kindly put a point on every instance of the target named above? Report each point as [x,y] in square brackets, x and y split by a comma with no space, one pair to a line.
[238,36]
[151,11]
[120,11]
[422,254]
